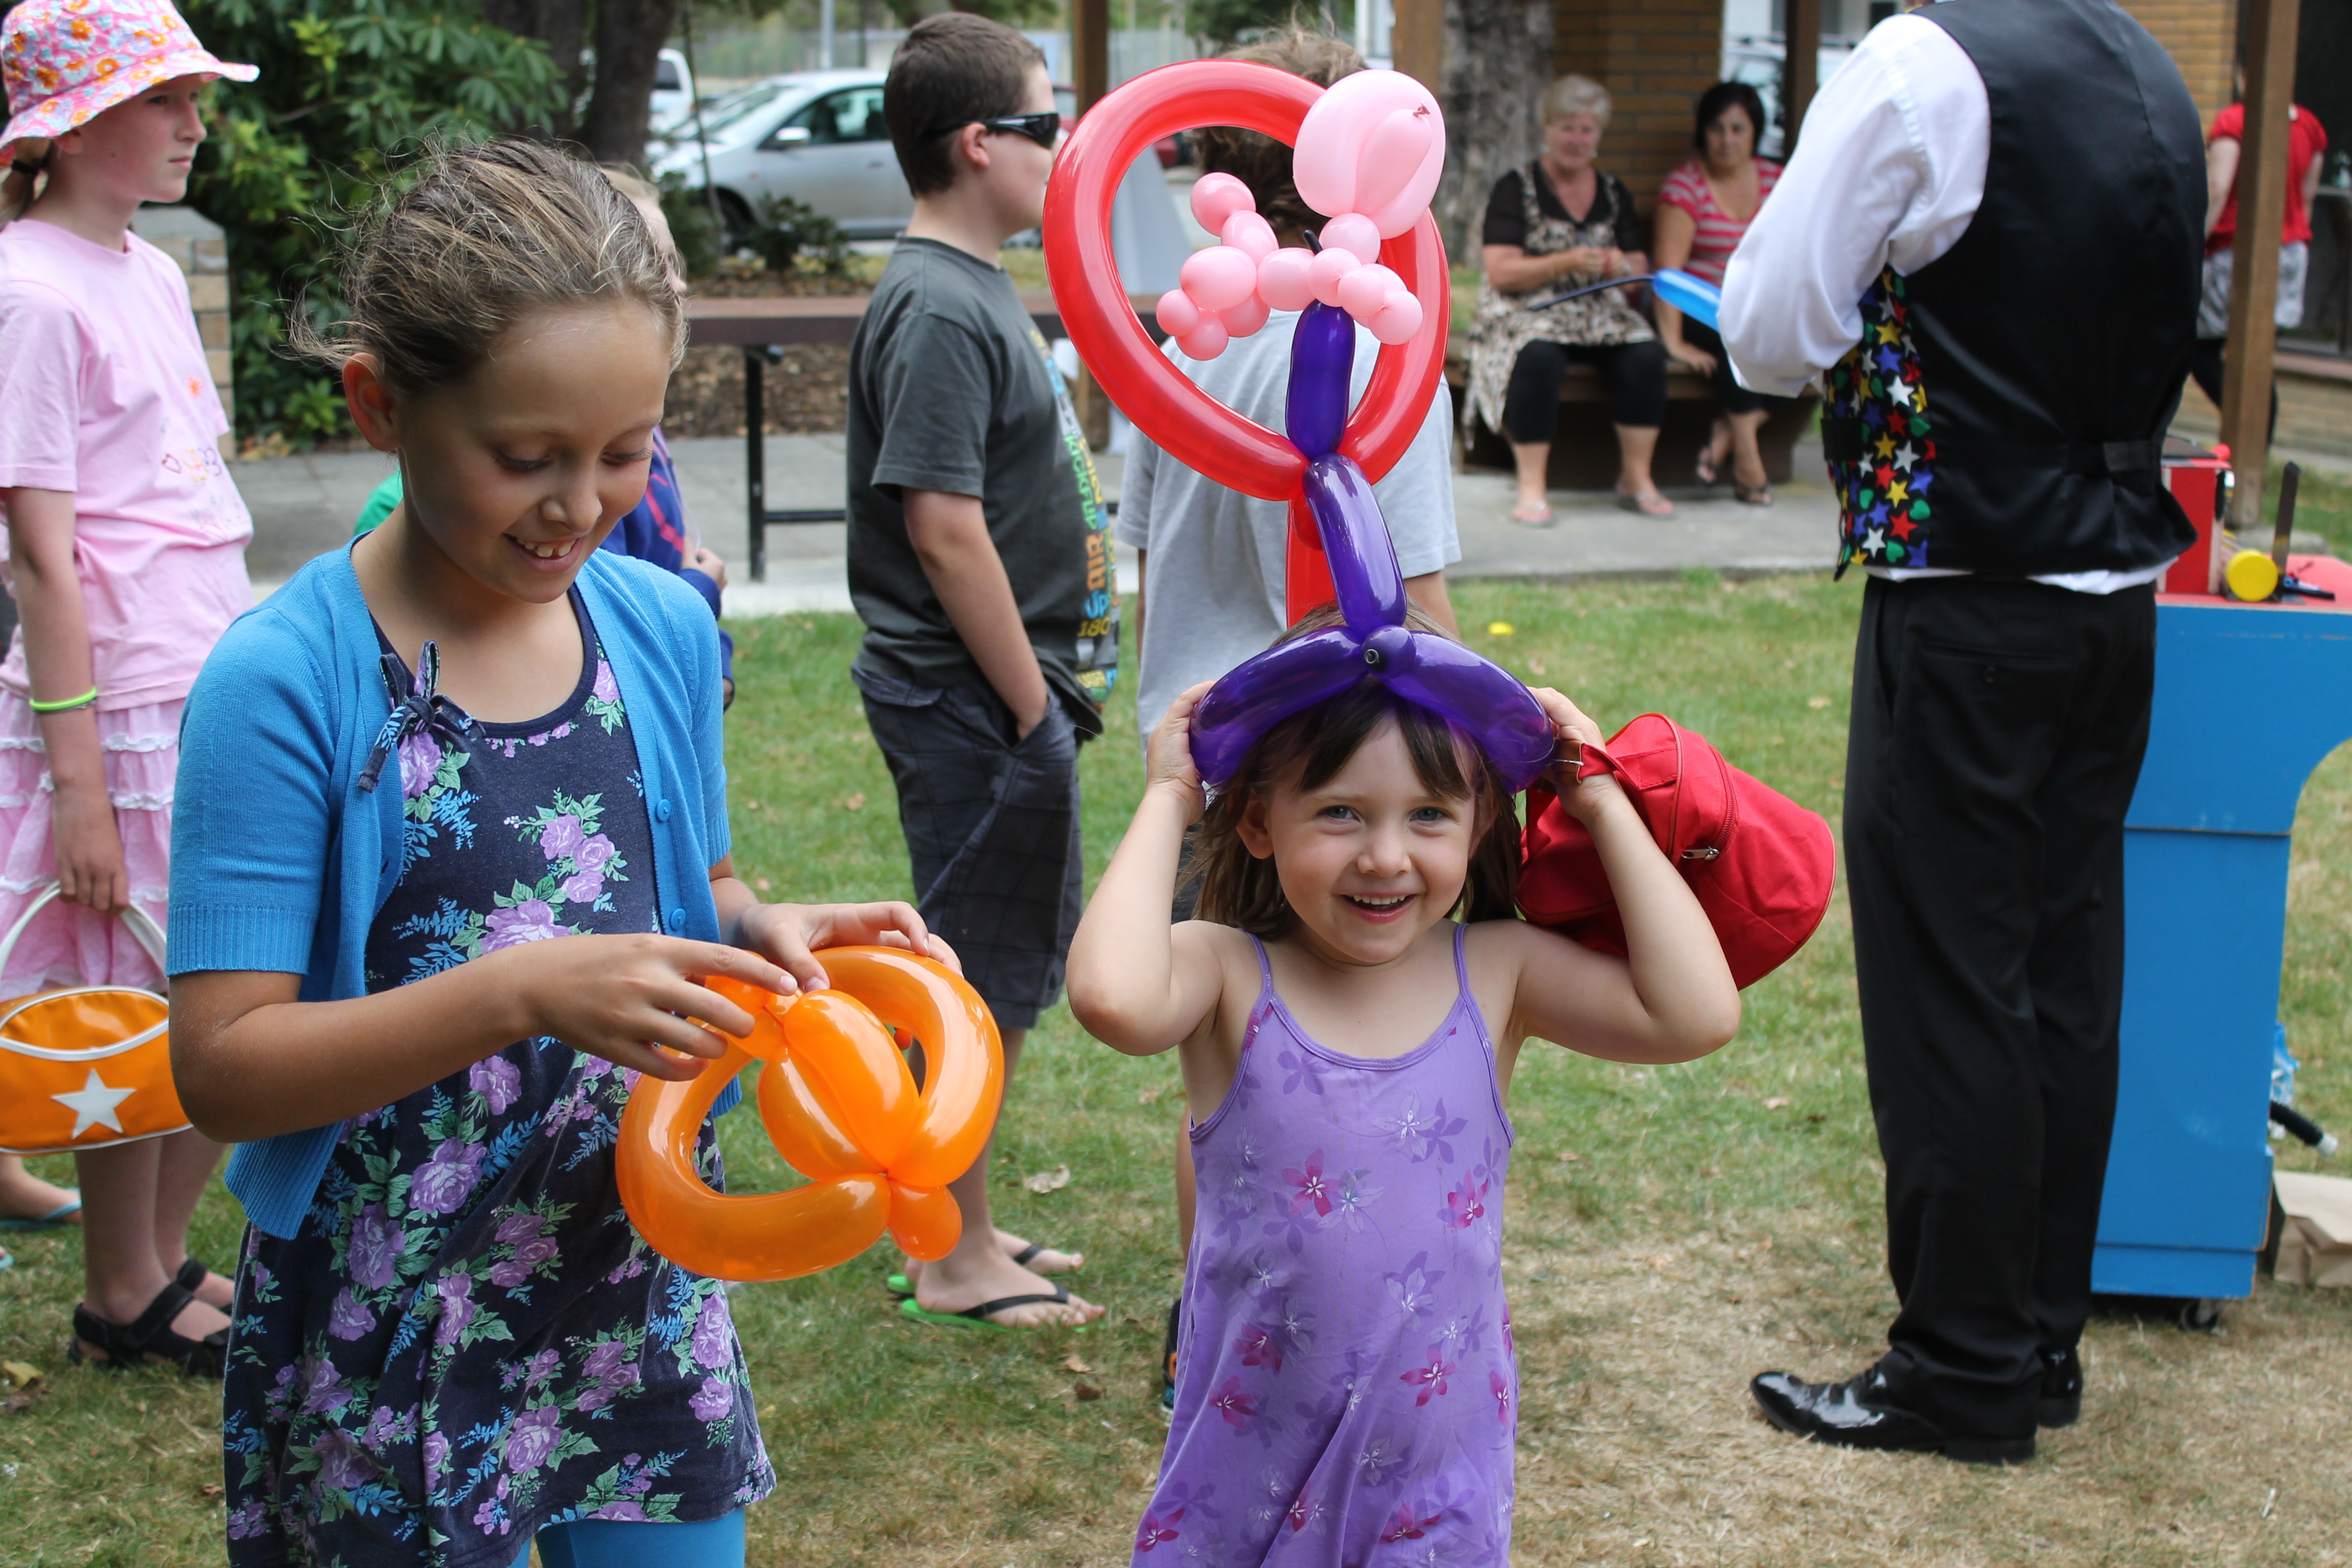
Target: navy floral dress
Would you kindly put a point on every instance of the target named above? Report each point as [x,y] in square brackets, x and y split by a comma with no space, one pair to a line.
[466,1342]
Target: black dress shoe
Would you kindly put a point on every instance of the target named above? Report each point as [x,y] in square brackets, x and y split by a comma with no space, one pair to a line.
[1862,1413]
[2061,1388]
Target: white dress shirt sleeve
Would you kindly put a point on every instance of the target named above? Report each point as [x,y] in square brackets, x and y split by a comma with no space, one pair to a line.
[1888,169]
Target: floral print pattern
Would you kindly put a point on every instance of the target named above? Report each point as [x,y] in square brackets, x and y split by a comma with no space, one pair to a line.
[467,1342]
[1346,1386]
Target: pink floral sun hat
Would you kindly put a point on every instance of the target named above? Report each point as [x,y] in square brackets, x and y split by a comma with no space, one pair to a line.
[65,61]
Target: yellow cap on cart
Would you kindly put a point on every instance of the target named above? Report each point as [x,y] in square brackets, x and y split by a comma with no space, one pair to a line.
[2251,576]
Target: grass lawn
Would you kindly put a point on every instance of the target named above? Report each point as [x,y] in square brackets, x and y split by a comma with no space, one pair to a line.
[1672,1231]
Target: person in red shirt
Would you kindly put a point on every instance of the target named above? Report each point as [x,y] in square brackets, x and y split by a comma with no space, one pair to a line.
[2306,140]
[1703,210]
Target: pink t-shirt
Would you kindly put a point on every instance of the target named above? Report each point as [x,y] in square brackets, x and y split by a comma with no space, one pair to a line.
[1719,233]
[104,392]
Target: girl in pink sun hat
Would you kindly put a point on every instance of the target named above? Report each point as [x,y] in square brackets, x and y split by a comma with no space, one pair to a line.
[125,553]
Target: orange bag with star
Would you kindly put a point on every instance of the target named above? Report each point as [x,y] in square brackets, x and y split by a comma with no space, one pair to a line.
[87,1066]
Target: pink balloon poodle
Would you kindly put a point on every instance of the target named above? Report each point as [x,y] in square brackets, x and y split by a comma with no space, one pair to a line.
[1367,158]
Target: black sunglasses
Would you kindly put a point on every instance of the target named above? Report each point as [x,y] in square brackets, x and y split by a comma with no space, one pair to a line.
[1045,128]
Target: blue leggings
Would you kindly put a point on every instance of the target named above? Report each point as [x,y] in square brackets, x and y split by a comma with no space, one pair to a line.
[615,1544]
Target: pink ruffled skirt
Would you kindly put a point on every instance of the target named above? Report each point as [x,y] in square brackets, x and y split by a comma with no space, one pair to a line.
[66,944]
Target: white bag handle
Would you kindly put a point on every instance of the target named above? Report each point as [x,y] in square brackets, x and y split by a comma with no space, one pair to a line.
[143,929]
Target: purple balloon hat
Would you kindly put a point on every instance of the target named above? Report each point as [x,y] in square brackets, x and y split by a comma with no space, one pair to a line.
[1473,694]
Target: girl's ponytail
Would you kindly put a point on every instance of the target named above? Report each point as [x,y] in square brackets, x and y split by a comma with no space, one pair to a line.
[21,182]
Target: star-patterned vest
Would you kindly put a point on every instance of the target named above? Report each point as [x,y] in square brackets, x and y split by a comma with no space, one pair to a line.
[2004,410]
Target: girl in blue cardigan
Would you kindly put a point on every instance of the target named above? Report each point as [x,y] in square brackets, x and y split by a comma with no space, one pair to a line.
[405,774]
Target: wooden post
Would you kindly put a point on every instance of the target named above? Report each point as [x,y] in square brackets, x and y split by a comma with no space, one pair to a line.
[1090,77]
[1801,69]
[2269,36]
[1417,42]
[1089,50]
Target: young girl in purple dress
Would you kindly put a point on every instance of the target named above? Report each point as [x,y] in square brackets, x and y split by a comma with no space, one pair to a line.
[1347,1388]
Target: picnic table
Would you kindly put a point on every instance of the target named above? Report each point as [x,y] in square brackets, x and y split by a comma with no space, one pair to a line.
[763,328]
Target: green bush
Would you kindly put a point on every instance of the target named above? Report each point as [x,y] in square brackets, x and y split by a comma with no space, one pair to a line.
[787,232]
[345,90]
[694,228]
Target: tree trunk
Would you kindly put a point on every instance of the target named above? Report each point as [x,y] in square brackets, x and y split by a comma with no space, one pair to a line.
[629,37]
[1497,63]
[562,26]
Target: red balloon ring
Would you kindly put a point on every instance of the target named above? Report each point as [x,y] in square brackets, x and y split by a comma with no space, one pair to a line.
[1186,423]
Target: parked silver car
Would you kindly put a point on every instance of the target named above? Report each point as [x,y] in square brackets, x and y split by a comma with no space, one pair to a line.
[814,136]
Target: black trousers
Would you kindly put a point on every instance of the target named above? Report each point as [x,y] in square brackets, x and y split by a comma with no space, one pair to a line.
[1729,395]
[1637,374]
[1996,738]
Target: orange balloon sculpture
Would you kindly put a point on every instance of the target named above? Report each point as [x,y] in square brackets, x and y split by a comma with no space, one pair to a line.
[840,1105]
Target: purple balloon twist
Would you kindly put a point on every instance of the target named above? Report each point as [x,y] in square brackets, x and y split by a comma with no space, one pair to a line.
[1471,692]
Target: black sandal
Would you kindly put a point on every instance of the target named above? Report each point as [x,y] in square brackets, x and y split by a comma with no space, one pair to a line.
[127,1348]
[978,1316]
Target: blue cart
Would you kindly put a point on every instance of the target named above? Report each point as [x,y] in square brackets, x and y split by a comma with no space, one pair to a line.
[2248,700]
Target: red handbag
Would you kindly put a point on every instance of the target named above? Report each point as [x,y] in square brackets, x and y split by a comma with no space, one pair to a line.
[1759,863]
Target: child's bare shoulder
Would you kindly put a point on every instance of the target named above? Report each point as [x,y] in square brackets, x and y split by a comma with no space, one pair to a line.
[1508,950]
[1229,947]
[1511,938]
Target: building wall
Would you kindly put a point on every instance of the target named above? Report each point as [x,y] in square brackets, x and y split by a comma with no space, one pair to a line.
[2201,35]
[194,241]
[1655,57]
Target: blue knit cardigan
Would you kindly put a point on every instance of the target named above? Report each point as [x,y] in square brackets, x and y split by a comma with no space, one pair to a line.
[279,864]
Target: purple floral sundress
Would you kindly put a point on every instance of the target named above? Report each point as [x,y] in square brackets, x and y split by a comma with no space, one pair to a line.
[466,1340]
[1346,1390]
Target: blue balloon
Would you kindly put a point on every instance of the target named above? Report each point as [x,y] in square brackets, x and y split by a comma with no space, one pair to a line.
[1697,298]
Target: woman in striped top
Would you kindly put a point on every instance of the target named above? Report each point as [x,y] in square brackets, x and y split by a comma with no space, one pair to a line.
[1703,209]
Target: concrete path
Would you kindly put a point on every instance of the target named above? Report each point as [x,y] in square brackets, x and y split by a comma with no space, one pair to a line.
[303,505]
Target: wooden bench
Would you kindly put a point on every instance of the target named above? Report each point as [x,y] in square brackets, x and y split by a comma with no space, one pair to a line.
[1584,451]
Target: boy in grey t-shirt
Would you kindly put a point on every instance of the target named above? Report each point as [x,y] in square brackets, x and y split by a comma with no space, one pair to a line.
[980,561]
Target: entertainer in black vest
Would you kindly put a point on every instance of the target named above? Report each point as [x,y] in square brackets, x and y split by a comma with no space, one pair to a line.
[2013,190]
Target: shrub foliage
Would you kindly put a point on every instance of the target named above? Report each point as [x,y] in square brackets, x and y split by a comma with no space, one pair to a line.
[345,89]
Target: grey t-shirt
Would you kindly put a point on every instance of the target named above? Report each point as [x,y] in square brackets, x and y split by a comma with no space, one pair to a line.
[952,388]
[1213,572]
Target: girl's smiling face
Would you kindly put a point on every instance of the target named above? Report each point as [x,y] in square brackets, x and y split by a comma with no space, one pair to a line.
[520,470]
[1370,858]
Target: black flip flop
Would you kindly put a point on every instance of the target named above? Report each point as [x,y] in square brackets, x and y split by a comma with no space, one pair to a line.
[977,1317]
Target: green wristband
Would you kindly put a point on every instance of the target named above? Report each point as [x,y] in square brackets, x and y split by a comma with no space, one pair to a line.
[67,706]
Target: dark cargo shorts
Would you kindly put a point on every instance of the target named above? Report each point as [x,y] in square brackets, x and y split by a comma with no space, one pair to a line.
[991,827]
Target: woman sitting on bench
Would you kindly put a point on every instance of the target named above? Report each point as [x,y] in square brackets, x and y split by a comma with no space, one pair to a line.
[1703,210]
[1556,223]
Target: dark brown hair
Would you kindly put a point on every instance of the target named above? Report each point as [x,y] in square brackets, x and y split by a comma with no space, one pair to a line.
[1305,751]
[953,69]
[1259,161]
[469,241]
[1725,95]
